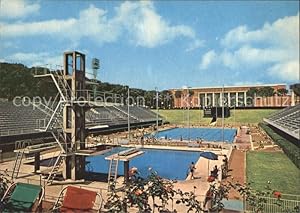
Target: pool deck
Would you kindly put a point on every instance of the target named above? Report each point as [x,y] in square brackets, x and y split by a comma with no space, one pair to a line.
[199,185]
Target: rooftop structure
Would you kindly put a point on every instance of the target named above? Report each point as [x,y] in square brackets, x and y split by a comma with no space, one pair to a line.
[287,120]
[233,96]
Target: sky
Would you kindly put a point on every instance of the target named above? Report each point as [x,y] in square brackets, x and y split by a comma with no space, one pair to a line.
[163,44]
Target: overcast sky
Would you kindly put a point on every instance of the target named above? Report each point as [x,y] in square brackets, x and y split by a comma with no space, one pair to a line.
[164,44]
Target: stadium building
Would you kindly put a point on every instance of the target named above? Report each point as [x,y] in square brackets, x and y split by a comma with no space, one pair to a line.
[234,96]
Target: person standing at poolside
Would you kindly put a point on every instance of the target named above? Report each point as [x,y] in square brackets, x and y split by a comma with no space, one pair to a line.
[192,170]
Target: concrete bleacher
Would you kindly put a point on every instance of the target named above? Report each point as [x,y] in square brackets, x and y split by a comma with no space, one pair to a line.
[287,120]
[21,119]
[18,120]
[112,115]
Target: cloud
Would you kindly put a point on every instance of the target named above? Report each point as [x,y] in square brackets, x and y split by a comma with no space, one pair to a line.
[146,27]
[243,83]
[207,59]
[283,33]
[51,27]
[288,71]
[36,59]
[195,45]
[273,48]
[11,9]
[138,21]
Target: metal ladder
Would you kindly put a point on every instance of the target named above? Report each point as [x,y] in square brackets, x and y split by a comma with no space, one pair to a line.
[63,86]
[54,171]
[17,164]
[51,121]
[113,171]
[57,116]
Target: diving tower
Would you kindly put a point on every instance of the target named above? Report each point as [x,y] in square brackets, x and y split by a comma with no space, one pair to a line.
[66,120]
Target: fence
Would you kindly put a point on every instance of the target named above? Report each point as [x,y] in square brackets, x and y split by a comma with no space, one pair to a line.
[287,203]
[17,132]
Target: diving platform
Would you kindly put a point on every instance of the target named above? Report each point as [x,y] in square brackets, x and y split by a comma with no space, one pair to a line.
[126,155]
[91,152]
[37,148]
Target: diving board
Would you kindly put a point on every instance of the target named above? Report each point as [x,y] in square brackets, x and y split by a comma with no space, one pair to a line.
[126,155]
[37,148]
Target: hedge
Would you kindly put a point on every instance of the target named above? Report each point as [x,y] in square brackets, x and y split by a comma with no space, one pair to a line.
[290,149]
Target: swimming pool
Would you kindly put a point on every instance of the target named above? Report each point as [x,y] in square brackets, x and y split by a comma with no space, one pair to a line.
[170,164]
[207,134]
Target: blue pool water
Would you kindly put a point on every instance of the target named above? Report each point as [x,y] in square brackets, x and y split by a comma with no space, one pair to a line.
[207,134]
[171,164]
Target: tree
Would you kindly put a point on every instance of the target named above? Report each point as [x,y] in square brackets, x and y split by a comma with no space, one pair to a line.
[19,80]
[191,93]
[252,91]
[296,88]
[282,92]
[161,191]
[4,183]
[265,91]
[138,193]
[178,94]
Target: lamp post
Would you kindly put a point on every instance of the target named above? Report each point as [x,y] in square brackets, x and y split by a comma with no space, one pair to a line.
[128,113]
[199,103]
[95,67]
[223,113]
[156,109]
[189,114]
[188,108]
[234,116]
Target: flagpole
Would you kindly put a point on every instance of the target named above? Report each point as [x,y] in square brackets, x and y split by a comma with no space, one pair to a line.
[223,113]
[128,113]
[156,89]
[208,167]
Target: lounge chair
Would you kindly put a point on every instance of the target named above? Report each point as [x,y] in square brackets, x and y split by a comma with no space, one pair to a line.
[22,197]
[74,199]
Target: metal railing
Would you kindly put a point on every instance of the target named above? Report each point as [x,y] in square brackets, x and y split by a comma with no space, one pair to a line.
[287,203]
[18,131]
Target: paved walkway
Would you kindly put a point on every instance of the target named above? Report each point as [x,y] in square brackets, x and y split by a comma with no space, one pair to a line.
[243,139]
[237,167]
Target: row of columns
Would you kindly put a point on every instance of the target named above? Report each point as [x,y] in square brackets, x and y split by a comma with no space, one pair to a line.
[228,98]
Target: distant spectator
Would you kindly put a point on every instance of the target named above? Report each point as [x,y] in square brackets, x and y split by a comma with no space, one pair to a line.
[132,172]
[215,171]
[192,170]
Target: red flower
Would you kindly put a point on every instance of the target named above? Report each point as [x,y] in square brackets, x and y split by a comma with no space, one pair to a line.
[277,194]
[168,188]
[138,192]
[210,179]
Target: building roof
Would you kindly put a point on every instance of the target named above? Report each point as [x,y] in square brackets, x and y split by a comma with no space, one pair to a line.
[235,86]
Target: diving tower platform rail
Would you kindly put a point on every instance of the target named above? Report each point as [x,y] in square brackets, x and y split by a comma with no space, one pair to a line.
[37,148]
[89,97]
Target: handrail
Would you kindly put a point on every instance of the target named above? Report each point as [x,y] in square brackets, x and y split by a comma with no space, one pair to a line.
[54,113]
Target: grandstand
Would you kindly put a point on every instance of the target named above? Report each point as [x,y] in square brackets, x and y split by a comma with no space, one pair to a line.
[287,120]
[16,120]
